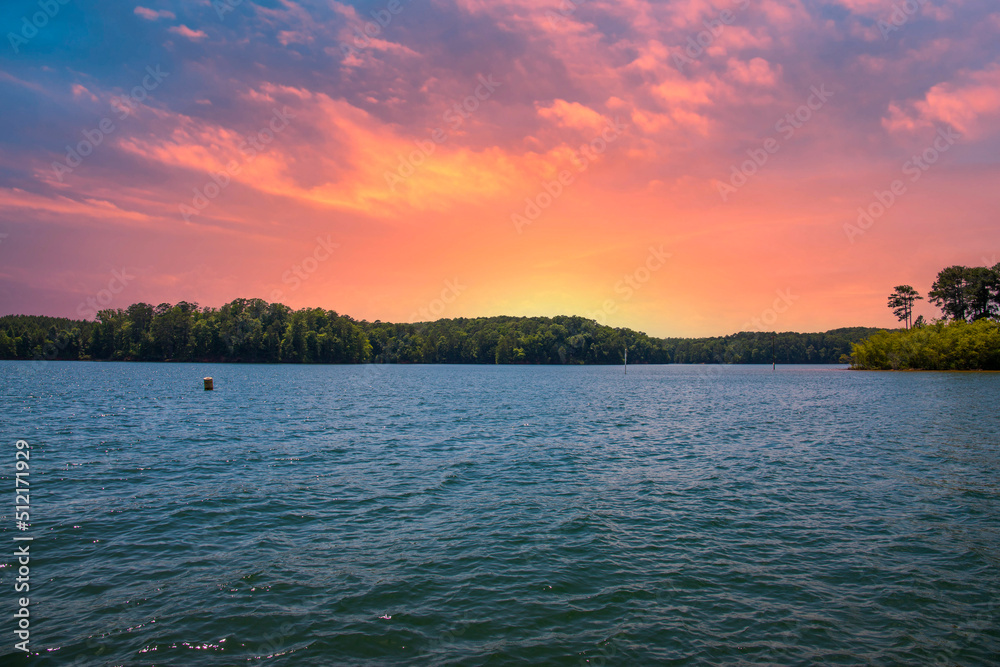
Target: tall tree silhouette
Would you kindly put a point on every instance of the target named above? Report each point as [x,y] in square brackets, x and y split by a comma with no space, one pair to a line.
[901,302]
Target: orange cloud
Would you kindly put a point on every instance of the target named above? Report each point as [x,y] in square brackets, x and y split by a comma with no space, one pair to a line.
[573,115]
[354,161]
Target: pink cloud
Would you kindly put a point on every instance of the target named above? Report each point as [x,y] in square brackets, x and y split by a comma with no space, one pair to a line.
[286,37]
[968,104]
[866,6]
[756,72]
[187,32]
[81,91]
[574,115]
[153,14]
[66,208]
[344,165]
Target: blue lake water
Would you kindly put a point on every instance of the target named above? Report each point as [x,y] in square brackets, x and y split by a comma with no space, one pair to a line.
[483,515]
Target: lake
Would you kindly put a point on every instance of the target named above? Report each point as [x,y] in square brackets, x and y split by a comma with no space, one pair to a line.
[490,515]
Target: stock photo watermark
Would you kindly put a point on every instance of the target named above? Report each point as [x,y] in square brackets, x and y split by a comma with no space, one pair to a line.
[22,519]
[436,307]
[552,190]
[769,316]
[901,14]
[914,167]
[786,126]
[699,43]
[38,20]
[93,138]
[253,145]
[306,267]
[455,116]
[608,655]
[223,7]
[450,638]
[89,308]
[631,283]
[364,34]
[560,16]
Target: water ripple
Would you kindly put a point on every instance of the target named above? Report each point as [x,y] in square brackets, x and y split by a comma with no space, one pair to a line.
[499,515]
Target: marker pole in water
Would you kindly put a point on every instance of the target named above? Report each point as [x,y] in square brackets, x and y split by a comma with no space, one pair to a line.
[209,386]
[626,360]
[773,356]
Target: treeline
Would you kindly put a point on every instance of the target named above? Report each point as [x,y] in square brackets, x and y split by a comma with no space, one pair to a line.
[943,346]
[254,331]
[831,347]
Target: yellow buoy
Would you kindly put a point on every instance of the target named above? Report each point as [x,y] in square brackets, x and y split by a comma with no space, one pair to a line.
[208,384]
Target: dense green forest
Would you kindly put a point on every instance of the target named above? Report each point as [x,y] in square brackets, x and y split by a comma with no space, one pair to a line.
[943,346]
[967,337]
[252,330]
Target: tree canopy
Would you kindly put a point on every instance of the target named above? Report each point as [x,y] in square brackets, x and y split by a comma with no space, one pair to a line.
[942,346]
[255,331]
[901,301]
[967,293]
[967,338]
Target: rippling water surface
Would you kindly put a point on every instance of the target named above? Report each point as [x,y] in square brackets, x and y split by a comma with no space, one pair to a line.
[460,515]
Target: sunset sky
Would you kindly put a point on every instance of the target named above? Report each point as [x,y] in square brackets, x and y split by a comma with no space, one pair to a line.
[401,160]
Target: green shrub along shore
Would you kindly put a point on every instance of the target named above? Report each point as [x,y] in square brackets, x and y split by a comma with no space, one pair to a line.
[254,331]
[943,346]
[967,339]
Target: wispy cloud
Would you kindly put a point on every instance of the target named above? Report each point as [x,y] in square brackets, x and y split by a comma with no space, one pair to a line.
[184,31]
[154,14]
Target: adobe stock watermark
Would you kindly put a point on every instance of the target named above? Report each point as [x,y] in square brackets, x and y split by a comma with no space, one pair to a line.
[304,269]
[455,116]
[373,375]
[38,20]
[608,655]
[914,167]
[786,126]
[103,298]
[972,631]
[250,148]
[737,351]
[450,637]
[550,191]
[364,35]
[274,642]
[769,316]
[631,283]
[22,554]
[154,414]
[436,307]
[87,309]
[697,44]
[902,12]
[560,17]
[223,7]
[95,137]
